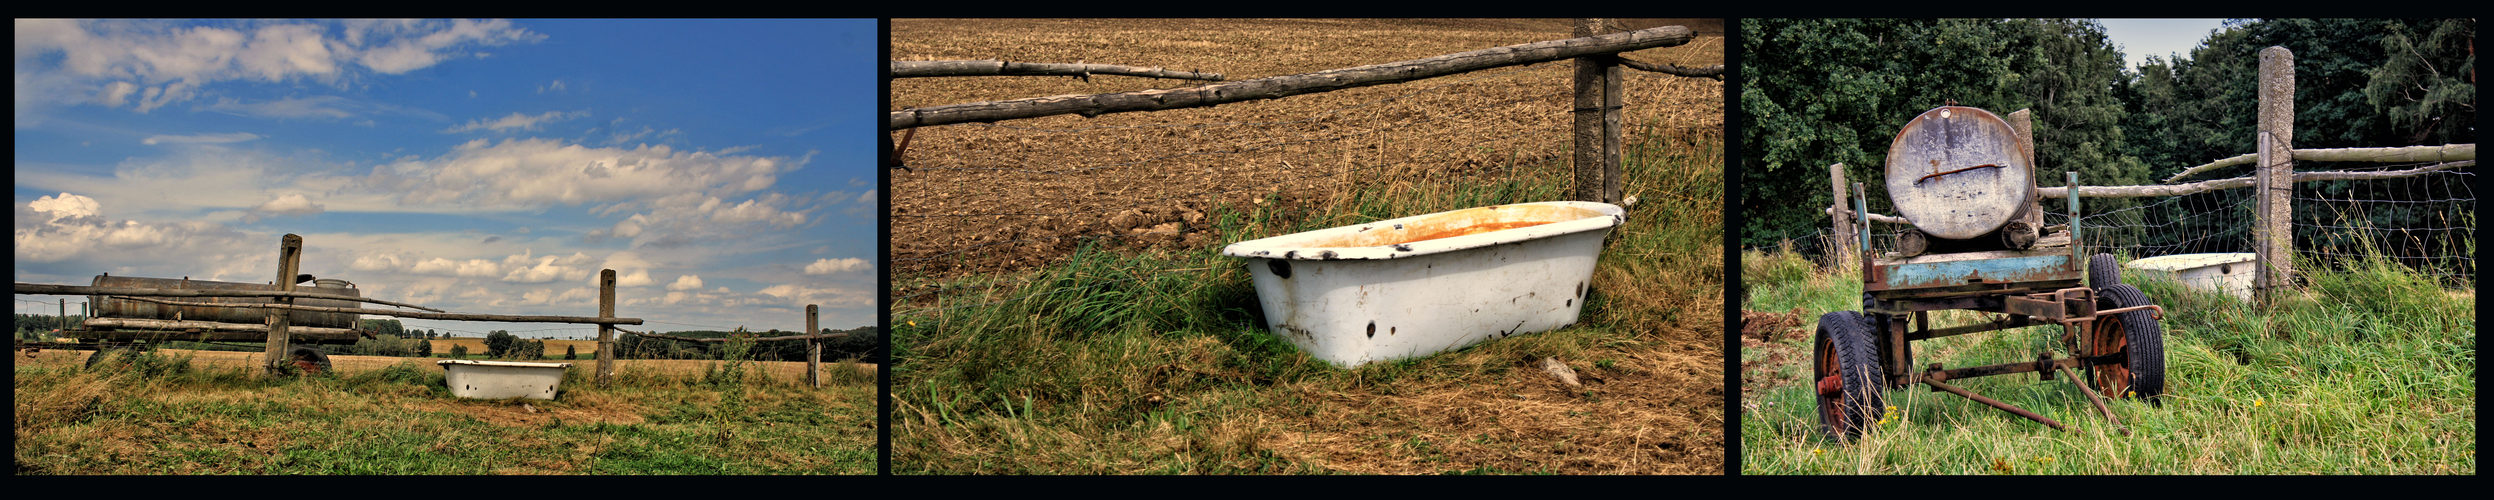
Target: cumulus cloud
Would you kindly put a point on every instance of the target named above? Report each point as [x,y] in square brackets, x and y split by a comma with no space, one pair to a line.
[515,121]
[74,231]
[685,282]
[528,173]
[841,265]
[66,207]
[109,62]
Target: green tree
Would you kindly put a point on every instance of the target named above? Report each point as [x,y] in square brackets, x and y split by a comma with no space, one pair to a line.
[1820,91]
[424,348]
[571,352]
[2426,84]
[501,344]
[459,351]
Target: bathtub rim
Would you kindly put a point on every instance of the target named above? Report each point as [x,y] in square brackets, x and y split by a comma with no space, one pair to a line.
[1283,247]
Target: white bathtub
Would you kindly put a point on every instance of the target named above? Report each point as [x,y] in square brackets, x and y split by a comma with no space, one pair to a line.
[1402,288]
[2230,273]
[503,379]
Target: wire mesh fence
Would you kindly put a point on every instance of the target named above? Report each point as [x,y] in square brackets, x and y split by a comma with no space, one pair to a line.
[2425,222]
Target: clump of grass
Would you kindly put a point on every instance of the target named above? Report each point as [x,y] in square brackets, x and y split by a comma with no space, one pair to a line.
[2368,369]
[1159,362]
[394,420]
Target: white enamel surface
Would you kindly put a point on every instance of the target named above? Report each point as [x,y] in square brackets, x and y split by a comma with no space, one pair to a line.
[1428,296]
[503,379]
[2220,272]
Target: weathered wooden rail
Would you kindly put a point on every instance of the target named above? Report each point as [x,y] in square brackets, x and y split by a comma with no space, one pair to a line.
[929,69]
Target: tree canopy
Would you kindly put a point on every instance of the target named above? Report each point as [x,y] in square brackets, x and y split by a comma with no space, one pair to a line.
[1820,91]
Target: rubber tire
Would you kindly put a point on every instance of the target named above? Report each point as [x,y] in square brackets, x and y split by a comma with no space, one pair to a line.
[318,358]
[2146,343]
[2103,271]
[1846,335]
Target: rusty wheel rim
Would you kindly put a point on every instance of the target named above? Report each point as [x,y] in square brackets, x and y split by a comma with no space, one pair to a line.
[2106,336]
[1831,399]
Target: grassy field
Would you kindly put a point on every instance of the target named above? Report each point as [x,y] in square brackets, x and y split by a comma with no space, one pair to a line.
[199,412]
[2369,370]
[1157,362]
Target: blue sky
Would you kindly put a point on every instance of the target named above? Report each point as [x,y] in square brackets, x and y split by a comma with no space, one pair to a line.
[723,168]
[2140,38]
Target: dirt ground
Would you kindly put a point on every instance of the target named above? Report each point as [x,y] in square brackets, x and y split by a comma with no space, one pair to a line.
[978,198]
[1764,350]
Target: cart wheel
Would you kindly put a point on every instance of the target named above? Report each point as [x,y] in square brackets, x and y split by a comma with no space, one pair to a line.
[106,352]
[2141,340]
[2102,271]
[1849,402]
[310,360]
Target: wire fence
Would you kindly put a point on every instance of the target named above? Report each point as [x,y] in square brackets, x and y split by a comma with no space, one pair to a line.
[979,198]
[2425,222]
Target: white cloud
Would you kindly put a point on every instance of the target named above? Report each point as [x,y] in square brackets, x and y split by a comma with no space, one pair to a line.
[73,232]
[515,121]
[66,206]
[841,265]
[546,269]
[468,268]
[225,138]
[530,173]
[685,282]
[826,297]
[411,53]
[163,62]
[288,204]
[555,86]
[117,93]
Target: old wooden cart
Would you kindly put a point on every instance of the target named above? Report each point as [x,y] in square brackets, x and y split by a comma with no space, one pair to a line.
[1962,168]
[118,325]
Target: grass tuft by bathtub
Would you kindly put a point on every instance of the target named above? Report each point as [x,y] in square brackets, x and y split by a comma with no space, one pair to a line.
[1121,362]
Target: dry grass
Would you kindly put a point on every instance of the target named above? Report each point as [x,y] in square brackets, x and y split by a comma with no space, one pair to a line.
[351,364]
[377,415]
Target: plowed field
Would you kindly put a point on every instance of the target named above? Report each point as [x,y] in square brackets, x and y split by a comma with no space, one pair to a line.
[1015,194]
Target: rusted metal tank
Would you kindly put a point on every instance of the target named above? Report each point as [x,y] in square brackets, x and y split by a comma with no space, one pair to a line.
[1959,173]
[116,307]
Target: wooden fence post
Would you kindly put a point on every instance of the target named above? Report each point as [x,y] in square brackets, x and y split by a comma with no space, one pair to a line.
[1843,239]
[289,260]
[813,349]
[1587,139]
[1611,140]
[606,331]
[2272,237]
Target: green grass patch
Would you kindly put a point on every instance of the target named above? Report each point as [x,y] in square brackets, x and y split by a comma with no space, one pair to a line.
[2371,369]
